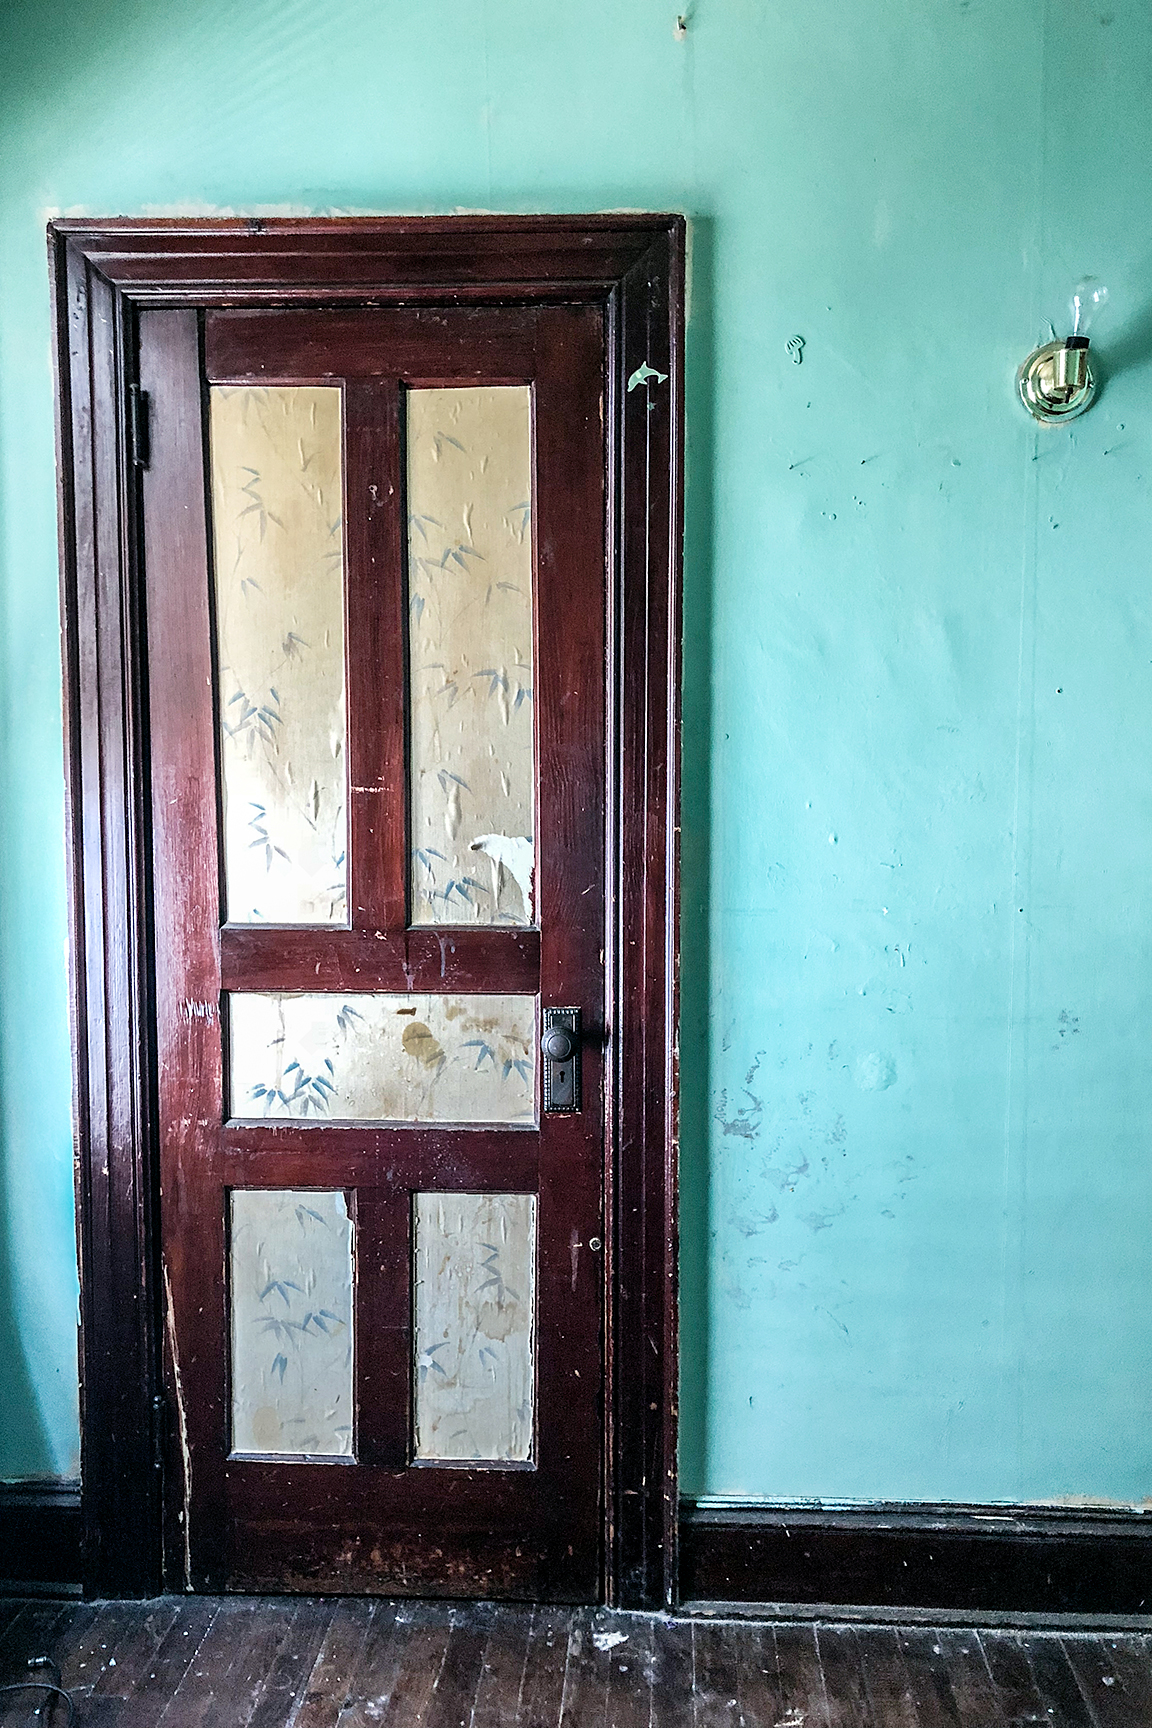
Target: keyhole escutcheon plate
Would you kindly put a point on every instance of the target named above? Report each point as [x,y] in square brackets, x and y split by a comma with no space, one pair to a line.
[560,1053]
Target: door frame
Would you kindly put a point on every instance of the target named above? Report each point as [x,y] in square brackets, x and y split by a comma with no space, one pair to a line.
[103,274]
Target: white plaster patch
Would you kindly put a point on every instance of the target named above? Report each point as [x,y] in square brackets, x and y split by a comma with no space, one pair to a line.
[874,1072]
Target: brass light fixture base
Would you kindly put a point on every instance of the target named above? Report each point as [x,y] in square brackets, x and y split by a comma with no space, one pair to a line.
[1040,390]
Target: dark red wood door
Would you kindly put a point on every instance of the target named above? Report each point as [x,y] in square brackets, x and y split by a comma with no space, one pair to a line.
[374,545]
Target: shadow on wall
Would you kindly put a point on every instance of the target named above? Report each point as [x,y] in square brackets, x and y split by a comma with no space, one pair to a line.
[25,1443]
[695,849]
[25,1450]
[1131,348]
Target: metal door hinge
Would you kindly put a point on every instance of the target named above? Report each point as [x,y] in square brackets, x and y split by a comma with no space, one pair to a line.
[138,425]
[159,1431]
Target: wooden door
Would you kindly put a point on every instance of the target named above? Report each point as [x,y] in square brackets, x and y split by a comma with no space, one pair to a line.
[374,550]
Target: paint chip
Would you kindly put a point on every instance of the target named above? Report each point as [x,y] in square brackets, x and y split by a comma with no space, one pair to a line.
[642,374]
[609,1640]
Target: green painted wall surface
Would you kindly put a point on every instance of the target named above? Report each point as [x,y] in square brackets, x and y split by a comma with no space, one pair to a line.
[918,685]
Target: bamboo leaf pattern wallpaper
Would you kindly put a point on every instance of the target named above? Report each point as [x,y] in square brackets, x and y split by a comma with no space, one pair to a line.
[291,1289]
[475,1273]
[383,1058]
[470,654]
[279,556]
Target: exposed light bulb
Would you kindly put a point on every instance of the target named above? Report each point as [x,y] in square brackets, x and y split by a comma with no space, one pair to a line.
[1088,297]
[1056,381]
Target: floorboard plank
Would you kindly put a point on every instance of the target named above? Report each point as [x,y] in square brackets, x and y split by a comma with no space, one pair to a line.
[37,1629]
[149,1692]
[978,1703]
[802,1696]
[381,1662]
[759,1679]
[1020,1700]
[886,1679]
[1115,1676]
[845,1694]
[84,1650]
[1132,1665]
[399,1674]
[284,1682]
[274,1662]
[238,1669]
[499,1693]
[1056,1683]
[76,1636]
[587,1671]
[630,1682]
[927,1669]
[223,1644]
[545,1667]
[10,1608]
[332,1679]
[672,1674]
[240,1692]
[34,1632]
[142,1632]
[454,1699]
[715,1674]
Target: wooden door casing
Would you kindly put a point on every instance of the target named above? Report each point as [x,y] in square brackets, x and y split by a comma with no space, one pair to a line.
[106,276]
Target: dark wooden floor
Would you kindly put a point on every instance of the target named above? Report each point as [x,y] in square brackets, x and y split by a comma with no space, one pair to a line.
[240,1662]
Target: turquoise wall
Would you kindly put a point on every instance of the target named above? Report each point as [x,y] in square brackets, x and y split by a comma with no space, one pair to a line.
[918,683]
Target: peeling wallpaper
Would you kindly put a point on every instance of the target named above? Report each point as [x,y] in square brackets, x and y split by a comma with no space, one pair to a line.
[918,674]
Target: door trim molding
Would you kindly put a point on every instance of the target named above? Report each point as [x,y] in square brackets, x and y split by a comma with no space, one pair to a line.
[103,274]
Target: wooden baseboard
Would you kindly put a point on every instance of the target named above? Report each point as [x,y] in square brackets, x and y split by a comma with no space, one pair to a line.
[979,1560]
[40,1539]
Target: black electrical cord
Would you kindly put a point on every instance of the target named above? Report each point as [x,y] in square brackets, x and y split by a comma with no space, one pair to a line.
[54,1690]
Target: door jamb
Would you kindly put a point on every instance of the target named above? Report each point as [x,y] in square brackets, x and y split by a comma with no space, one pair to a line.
[103,273]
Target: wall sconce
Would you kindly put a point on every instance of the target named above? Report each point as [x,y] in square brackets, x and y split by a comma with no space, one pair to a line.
[1056,383]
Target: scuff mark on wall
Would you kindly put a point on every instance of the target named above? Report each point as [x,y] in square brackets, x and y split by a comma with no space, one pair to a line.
[752,1223]
[745,1120]
[839,1323]
[787,1176]
[817,1221]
